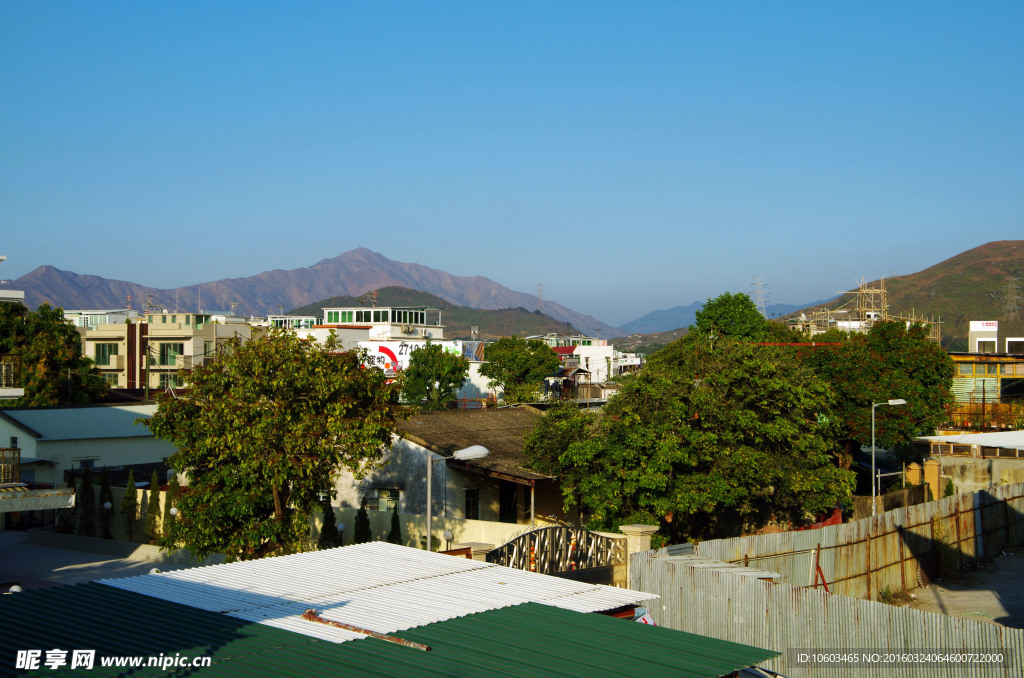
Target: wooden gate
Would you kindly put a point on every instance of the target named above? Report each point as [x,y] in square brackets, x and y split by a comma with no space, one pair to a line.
[569,552]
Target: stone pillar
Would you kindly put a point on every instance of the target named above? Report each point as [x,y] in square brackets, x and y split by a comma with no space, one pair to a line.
[932,473]
[638,538]
[913,474]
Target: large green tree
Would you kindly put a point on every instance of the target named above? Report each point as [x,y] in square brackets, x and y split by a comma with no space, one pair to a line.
[706,441]
[518,366]
[49,350]
[731,315]
[434,376]
[262,432]
[891,361]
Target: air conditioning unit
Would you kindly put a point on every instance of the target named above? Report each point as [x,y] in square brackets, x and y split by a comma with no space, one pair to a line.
[407,329]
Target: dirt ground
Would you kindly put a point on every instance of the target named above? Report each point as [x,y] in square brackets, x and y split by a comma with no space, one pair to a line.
[993,592]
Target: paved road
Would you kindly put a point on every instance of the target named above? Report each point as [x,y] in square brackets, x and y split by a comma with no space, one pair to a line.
[34,567]
[993,594]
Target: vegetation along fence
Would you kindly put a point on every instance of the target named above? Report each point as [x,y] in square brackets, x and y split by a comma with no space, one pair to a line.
[898,549]
[834,629]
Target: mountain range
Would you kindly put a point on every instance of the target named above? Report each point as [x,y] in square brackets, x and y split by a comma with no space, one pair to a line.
[984,283]
[351,274]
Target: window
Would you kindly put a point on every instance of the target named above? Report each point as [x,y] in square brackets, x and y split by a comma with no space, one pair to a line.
[333,316]
[170,380]
[966,369]
[346,316]
[14,442]
[472,504]
[387,498]
[188,320]
[110,378]
[991,368]
[362,316]
[208,348]
[103,353]
[86,463]
[174,318]
[170,352]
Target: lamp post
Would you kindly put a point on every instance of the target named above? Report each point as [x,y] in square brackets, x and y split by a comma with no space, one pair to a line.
[466,454]
[894,402]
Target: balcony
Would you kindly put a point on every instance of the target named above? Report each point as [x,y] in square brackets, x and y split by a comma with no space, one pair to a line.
[10,465]
[10,378]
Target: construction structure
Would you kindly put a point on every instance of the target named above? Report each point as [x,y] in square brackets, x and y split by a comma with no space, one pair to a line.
[866,307]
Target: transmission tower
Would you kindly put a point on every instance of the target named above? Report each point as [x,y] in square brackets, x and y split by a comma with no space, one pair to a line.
[540,297]
[1011,302]
[758,288]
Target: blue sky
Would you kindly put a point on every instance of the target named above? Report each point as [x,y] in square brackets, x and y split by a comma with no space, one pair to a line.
[627,156]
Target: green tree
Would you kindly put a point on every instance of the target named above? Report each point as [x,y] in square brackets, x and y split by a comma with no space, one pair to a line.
[130,506]
[731,315]
[518,366]
[395,534]
[106,514]
[153,507]
[329,535]
[434,376]
[86,502]
[561,426]
[709,441]
[361,530]
[263,429]
[53,370]
[891,361]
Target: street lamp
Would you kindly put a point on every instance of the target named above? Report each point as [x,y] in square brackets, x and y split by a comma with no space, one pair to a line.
[466,454]
[894,402]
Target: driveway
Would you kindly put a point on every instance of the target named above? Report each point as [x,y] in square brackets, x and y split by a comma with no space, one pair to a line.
[993,593]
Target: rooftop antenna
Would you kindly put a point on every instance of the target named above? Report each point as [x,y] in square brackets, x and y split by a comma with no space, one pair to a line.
[128,305]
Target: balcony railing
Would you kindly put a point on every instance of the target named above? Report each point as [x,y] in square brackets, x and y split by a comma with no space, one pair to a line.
[10,465]
[10,371]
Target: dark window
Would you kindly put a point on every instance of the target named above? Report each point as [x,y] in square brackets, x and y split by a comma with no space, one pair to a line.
[472,504]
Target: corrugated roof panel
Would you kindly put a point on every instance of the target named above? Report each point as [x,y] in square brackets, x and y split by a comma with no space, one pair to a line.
[81,423]
[533,639]
[380,586]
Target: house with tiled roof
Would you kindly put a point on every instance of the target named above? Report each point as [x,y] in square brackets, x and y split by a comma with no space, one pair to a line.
[499,487]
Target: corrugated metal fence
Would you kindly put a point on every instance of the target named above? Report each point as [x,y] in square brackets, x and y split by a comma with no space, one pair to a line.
[894,550]
[794,620]
[890,551]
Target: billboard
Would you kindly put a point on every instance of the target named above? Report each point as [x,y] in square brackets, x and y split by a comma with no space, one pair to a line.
[395,355]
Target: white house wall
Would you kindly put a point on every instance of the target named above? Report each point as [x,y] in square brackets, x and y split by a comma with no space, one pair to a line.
[406,470]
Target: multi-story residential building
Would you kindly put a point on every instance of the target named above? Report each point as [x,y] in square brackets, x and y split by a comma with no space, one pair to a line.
[352,325]
[10,367]
[148,352]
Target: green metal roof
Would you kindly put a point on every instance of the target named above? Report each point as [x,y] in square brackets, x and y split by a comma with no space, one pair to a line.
[534,639]
[523,640]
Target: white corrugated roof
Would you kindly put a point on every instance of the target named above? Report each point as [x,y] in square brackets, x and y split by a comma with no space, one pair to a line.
[1009,439]
[378,586]
[84,423]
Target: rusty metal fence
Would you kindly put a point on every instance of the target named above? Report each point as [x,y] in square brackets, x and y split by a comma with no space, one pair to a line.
[792,620]
[898,549]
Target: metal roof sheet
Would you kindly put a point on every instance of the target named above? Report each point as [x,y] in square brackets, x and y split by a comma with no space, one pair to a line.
[532,639]
[1008,439]
[81,423]
[523,640]
[377,585]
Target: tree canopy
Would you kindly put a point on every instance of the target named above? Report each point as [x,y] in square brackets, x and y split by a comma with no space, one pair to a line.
[890,361]
[262,432]
[706,441]
[731,315]
[434,376]
[49,349]
[518,366]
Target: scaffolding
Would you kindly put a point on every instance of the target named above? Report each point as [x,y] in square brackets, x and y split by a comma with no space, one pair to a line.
[866,307]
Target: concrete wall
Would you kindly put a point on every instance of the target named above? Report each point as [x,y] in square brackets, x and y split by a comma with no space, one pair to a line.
[106,452]
[971,474]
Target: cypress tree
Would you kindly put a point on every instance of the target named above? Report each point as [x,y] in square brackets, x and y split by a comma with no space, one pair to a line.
[130,506]
[329,537]
[153,507]
[67,520]
[106,515]
[361,532]
[395,535]
[173,490]
[86,506]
